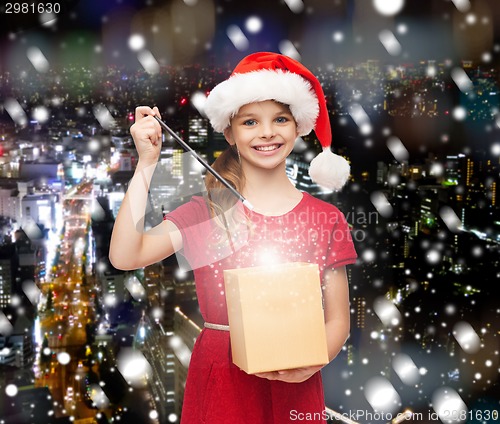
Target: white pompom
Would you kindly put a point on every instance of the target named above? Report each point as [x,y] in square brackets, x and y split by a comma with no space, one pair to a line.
[329,170]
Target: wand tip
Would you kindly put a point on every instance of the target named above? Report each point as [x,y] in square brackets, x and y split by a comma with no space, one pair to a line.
[247,204]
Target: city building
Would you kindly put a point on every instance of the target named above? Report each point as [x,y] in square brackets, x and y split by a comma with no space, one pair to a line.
[8,266]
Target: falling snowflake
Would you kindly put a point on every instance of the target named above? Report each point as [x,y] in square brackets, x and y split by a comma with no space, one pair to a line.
[198,100]
[462,5]
[31,291]
[466,337]
[38,59]
[495,148]
[381,203]
[136,42]
[437,169]
[450,218]
[338,36]
[157,313]
[387,312]
[148,62]
[41,114]
[135,288]
[398,149]
[103,115]
[11,390]
[448,405]
[181,350]
[406,369]
[134,367]
[237,37]
[99,398]
[287,48]
[459,113]
[390,42]
[110,300]
[360,117]
[433,256]
[32,230]
[254,24]
[477,251]
[402,29]
[462,80]
[63,358]
[486,57]
[471,19]
[15,111]
[450,309]
[388,7]
[47,19]
[368,255]
[296,6]
[381,395]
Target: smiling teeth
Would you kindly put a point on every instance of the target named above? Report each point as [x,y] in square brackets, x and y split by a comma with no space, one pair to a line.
[267,148]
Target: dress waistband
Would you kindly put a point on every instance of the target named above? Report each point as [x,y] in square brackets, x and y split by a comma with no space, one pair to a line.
[220,327]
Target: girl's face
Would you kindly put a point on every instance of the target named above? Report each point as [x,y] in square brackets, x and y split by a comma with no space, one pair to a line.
[264,133]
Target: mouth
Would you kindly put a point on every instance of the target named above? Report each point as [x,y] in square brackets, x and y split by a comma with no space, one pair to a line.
[267,148]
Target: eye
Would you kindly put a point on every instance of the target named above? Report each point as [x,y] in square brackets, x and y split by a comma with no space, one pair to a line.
[250,122]
[282,119]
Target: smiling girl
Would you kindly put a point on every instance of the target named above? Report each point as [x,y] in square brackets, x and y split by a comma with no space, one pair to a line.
[262,108]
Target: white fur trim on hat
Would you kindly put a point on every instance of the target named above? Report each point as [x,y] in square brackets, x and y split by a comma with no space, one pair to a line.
[288,88]
[329,170]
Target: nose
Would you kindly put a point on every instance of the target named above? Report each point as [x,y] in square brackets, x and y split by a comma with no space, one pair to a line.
[267,130]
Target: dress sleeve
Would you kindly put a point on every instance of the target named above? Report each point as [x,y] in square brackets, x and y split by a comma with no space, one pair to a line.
[190,219]
[188,215]
[341,249]
[201,239]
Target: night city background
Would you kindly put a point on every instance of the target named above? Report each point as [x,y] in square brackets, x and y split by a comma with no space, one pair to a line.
[413,89]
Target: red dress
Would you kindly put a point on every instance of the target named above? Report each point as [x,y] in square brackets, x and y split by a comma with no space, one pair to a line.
[218,392]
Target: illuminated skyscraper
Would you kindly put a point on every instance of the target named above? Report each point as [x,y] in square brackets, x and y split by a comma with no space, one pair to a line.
[469,172]
[6,265]
[198,132]
[493,193]
[360,303]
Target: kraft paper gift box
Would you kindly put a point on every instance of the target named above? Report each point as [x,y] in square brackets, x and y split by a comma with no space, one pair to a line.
[276,317]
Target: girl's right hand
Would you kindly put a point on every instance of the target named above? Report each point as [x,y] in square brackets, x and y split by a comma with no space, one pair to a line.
[146,132]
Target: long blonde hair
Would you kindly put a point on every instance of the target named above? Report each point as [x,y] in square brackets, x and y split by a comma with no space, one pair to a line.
[220,199]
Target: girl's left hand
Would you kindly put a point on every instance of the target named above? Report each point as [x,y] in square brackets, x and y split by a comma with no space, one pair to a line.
[296,375]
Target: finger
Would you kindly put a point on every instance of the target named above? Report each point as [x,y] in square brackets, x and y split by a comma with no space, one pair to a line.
[157,112]
[150,128]
[146,134]
[142,111]
[153,136]
[267,375]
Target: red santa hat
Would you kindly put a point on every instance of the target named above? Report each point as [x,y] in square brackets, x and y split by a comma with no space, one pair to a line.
[271,76]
